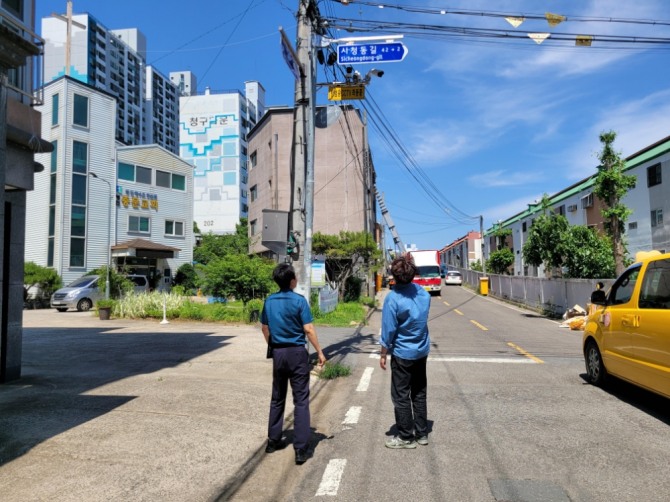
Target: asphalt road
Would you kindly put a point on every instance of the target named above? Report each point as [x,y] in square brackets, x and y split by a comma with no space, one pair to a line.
[512,420]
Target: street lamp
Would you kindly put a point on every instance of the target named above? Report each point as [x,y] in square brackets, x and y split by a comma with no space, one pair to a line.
[109,230]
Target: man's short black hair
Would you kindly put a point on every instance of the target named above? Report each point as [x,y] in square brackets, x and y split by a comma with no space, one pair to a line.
[403,269]
[283,274]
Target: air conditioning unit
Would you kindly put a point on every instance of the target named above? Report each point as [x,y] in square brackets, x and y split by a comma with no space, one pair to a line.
[572,208]
[587,201]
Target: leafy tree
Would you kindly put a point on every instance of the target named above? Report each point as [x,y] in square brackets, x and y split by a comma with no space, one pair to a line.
[545,244]
[477,266]
[611,184]
[46,279]
[118,284]
[346,254]
[238,275]
[186,277]
[218,246]
[500,261]
[588,255]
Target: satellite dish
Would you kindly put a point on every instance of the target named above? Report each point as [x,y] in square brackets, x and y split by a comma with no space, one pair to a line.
[327,116]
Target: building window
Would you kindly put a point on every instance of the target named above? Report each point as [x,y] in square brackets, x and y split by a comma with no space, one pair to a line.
[54,156]
[657,218]
[77,252]
[253,193]
[79,157]
[126,172]
[80,117]
[253,159]
[14,6]
[174,228]
[654,175]
[143,175]
[253,227]
[50,252]
[139,224]
[632,225]
[78,221]
[54,109]
[170,180]
[523,226]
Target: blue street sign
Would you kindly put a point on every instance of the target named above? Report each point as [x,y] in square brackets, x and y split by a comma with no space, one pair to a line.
[387,52]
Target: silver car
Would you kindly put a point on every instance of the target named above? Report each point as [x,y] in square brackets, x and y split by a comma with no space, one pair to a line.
[80,294]
[453,277]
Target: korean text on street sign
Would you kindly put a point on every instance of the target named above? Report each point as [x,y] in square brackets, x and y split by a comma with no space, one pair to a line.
[344,92]
[387,52]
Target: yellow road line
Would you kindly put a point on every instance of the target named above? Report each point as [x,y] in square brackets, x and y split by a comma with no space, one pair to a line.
[458,312]
[483,328]
[446,304]
[525,353]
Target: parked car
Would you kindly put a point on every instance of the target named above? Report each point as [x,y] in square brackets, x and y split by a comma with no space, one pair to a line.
[140,281]
[453,277]
[80,294]
[628,335]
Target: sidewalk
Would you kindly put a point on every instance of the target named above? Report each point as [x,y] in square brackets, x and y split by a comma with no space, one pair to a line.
[131,410]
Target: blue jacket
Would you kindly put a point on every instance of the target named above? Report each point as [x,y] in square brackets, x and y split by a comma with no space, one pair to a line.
[405,322]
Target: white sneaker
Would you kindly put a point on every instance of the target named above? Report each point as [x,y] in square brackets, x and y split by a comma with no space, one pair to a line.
[398,443]
[423,440]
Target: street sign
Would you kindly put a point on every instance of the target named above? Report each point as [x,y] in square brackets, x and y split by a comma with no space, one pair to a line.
[344,92]
[387,52]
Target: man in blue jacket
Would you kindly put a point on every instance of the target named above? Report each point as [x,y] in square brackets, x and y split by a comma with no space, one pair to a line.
[405,336]
[287,324]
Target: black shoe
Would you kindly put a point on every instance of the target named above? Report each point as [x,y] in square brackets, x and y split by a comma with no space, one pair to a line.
[300,457]
[274,445]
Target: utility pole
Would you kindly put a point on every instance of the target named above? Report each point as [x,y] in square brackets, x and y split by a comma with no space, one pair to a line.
[68,36]
[301,215]
[481,234]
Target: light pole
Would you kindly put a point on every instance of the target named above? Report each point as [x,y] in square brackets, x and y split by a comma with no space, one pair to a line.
[109,230]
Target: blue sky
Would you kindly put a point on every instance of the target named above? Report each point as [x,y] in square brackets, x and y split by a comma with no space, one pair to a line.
[493,123]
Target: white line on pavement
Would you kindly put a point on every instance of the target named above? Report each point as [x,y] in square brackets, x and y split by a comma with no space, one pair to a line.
[353,414]
[330,482]
[365,380]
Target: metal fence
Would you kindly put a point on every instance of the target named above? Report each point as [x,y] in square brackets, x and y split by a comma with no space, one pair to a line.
[553,296]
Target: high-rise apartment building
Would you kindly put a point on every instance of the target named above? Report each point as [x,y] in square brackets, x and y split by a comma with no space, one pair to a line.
[213,137]
[115,61]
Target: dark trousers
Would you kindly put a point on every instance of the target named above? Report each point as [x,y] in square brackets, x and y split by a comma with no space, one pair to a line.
[290,364]
[408,393]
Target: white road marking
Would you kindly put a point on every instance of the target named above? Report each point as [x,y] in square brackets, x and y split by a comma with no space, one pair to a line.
[330,482]
[353,415]
[365,379]
[467,359]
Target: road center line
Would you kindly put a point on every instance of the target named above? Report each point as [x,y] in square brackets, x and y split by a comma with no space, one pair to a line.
[353,414]
[458,312]
[446,303]
[483,328]
[330,482]
[365,379]
[525,353]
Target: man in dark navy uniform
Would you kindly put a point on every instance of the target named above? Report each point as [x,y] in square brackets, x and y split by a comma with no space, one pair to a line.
[287,325]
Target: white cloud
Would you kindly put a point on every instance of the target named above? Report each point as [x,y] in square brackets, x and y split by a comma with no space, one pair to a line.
[502,178]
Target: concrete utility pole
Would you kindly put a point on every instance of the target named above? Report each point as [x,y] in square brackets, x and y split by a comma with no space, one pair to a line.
[301,215]
[68,36]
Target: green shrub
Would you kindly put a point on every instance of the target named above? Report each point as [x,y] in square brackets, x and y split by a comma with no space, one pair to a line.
[352,289]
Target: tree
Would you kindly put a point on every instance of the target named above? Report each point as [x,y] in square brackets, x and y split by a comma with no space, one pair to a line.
[588,255]
[545,243]
[118,283]
[610,186]
[215,246]
[346,254]
[45,279]
[186,277]
[238,275]
[500,261]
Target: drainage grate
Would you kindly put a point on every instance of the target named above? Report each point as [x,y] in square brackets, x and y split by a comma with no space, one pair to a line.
[526,490]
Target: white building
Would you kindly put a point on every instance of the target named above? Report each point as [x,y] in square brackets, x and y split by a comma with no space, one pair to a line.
[213,137]
[186,82]
[115,61]
[79,210]
[648,201]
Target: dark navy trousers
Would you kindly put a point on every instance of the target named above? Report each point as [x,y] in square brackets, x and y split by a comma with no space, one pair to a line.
[290,364]
[408,393]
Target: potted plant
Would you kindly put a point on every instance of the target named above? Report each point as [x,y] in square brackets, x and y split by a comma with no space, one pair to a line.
[105,309]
